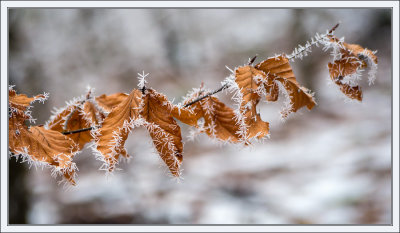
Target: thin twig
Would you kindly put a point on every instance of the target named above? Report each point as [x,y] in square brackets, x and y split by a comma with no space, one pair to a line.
[223,87]
[309,45]
[252,60]
[78,130]
[73,111]
[334,28]
[207,95]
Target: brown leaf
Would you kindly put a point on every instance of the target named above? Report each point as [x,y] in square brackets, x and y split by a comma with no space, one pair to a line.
[356,51]
[360,52]
[38,145]
[254,126]
[279,69]
[342,68]
[77,116]
[112,135]
[245,79]
[108,102]
[219,120]
[163,129]
[47,147]
[19,104]
[345,71]
[250,124]
[21,101]
[189,116]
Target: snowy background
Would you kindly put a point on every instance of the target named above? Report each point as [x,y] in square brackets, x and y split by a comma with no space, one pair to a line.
[331,165]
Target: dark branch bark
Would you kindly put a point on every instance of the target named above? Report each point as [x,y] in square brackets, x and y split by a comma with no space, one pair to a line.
[207,95]
[77,131]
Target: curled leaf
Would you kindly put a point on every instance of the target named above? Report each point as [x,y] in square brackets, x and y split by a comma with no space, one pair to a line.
[279,69]
[74,117]
[219,120]
[111,137]
[346,69]
[165,132]
[108,102]
[187,115]
[19,104]
[248,80]
[46,147]
[38,145]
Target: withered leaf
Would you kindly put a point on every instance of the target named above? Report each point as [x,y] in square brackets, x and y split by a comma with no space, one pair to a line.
[37,144]
[356,51]
[19,104]
[108,102]
[342,68]
[343,71]
[77,116]
[360,52]
[219,119]
[279,69]
[47,147]
[112,135]
[246,80]
[21,101]
[187,115]
[250,123]
[163,129]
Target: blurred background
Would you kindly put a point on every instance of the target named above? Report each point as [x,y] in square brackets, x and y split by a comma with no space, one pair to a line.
[331,165]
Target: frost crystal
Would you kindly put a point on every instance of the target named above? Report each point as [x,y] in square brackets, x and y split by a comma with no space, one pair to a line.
[142,80]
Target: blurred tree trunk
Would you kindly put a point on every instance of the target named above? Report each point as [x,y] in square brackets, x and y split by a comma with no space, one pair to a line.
[17,192]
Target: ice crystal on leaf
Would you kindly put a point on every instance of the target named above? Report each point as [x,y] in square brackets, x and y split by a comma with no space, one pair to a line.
[36,144]
[165,132]
[111,137]
[346,68]
[278,69]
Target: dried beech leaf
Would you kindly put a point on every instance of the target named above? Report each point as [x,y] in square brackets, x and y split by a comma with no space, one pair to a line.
[19,104]
[189,116]
[345,71]
[112,135]
[279,69]
[74,117]
[46,147]
[108,102]
[342,68]
[356,51]
[38,145]
[163,129]
[21,101]
[255,126]
[249,81]
[219,120]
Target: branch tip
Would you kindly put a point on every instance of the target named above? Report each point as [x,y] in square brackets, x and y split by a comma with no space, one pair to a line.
[334,28]
[252,60]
